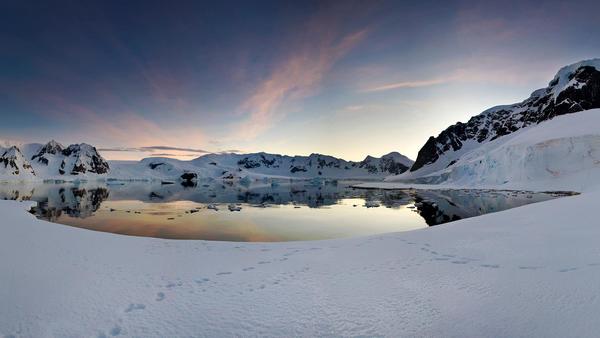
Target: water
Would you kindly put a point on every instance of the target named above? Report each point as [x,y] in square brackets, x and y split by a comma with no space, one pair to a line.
[260,212]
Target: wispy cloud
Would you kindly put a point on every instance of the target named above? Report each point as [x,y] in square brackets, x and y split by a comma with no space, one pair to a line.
[192,150]
[172,155]
[118,149]
[409,84]
[152,150]
[311,56]
[155,148]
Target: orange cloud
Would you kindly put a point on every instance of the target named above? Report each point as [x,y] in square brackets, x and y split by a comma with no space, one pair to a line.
[297,76]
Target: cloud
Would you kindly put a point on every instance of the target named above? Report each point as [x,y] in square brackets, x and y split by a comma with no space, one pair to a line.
[409,84]
[118,149]
[311,56]
[172,155]
[152,148]
[354,108]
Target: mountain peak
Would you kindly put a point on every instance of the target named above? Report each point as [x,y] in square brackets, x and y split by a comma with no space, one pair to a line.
[14,163]
[575,88]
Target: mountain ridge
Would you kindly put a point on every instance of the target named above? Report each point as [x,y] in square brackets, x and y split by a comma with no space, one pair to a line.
[53,161]
[574,88]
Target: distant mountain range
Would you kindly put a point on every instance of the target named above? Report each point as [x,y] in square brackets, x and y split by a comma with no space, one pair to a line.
[53,161]
[257,165]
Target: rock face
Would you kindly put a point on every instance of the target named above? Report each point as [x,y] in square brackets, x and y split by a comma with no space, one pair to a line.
[50,148]
[393,163]
[14,163]
[574,88]
[83,158]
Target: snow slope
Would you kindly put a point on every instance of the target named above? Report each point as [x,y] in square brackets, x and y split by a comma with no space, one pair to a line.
[529,271]
[559,154]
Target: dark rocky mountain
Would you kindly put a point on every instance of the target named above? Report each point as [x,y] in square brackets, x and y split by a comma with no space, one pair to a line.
[393,163]
[574,88]
[50,148]
[82,158]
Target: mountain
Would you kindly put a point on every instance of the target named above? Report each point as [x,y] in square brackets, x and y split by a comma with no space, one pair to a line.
[239,166]
[559,154]
[393,163]
[574,88]
[14,164]
[52,161]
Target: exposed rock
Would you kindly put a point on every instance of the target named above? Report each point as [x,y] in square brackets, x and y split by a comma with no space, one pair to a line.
[575,88]
[84,158]
[50,148]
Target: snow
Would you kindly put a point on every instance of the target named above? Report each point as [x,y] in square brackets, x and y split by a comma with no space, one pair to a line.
[562,77]
[14,164]
[529,271]
[559,154]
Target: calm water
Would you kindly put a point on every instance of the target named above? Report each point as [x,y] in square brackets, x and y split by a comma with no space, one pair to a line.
[213,210]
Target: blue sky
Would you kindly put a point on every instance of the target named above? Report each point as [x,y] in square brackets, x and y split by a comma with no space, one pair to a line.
[295,77]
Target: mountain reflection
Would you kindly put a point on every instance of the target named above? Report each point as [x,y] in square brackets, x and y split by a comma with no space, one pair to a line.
[82,200]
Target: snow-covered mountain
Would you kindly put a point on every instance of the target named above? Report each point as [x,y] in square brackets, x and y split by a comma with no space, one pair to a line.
[256,165]
[574,88]
[559,154]
[82,161]
[52,161]
[14,164]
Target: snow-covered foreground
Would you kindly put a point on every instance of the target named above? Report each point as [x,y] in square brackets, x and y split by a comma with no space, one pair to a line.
[529,271]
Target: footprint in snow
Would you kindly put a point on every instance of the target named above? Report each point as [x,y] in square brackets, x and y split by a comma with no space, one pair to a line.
[115,331]
[264,262]
[567,269]
[133,307]
[160,296]
[248,268]
[460,262]
[491,266]
[223,273]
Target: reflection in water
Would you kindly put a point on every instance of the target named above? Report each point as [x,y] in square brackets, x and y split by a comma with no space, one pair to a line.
[262,211]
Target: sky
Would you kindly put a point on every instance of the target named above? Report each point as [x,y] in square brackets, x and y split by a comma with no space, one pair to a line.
[343,78]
